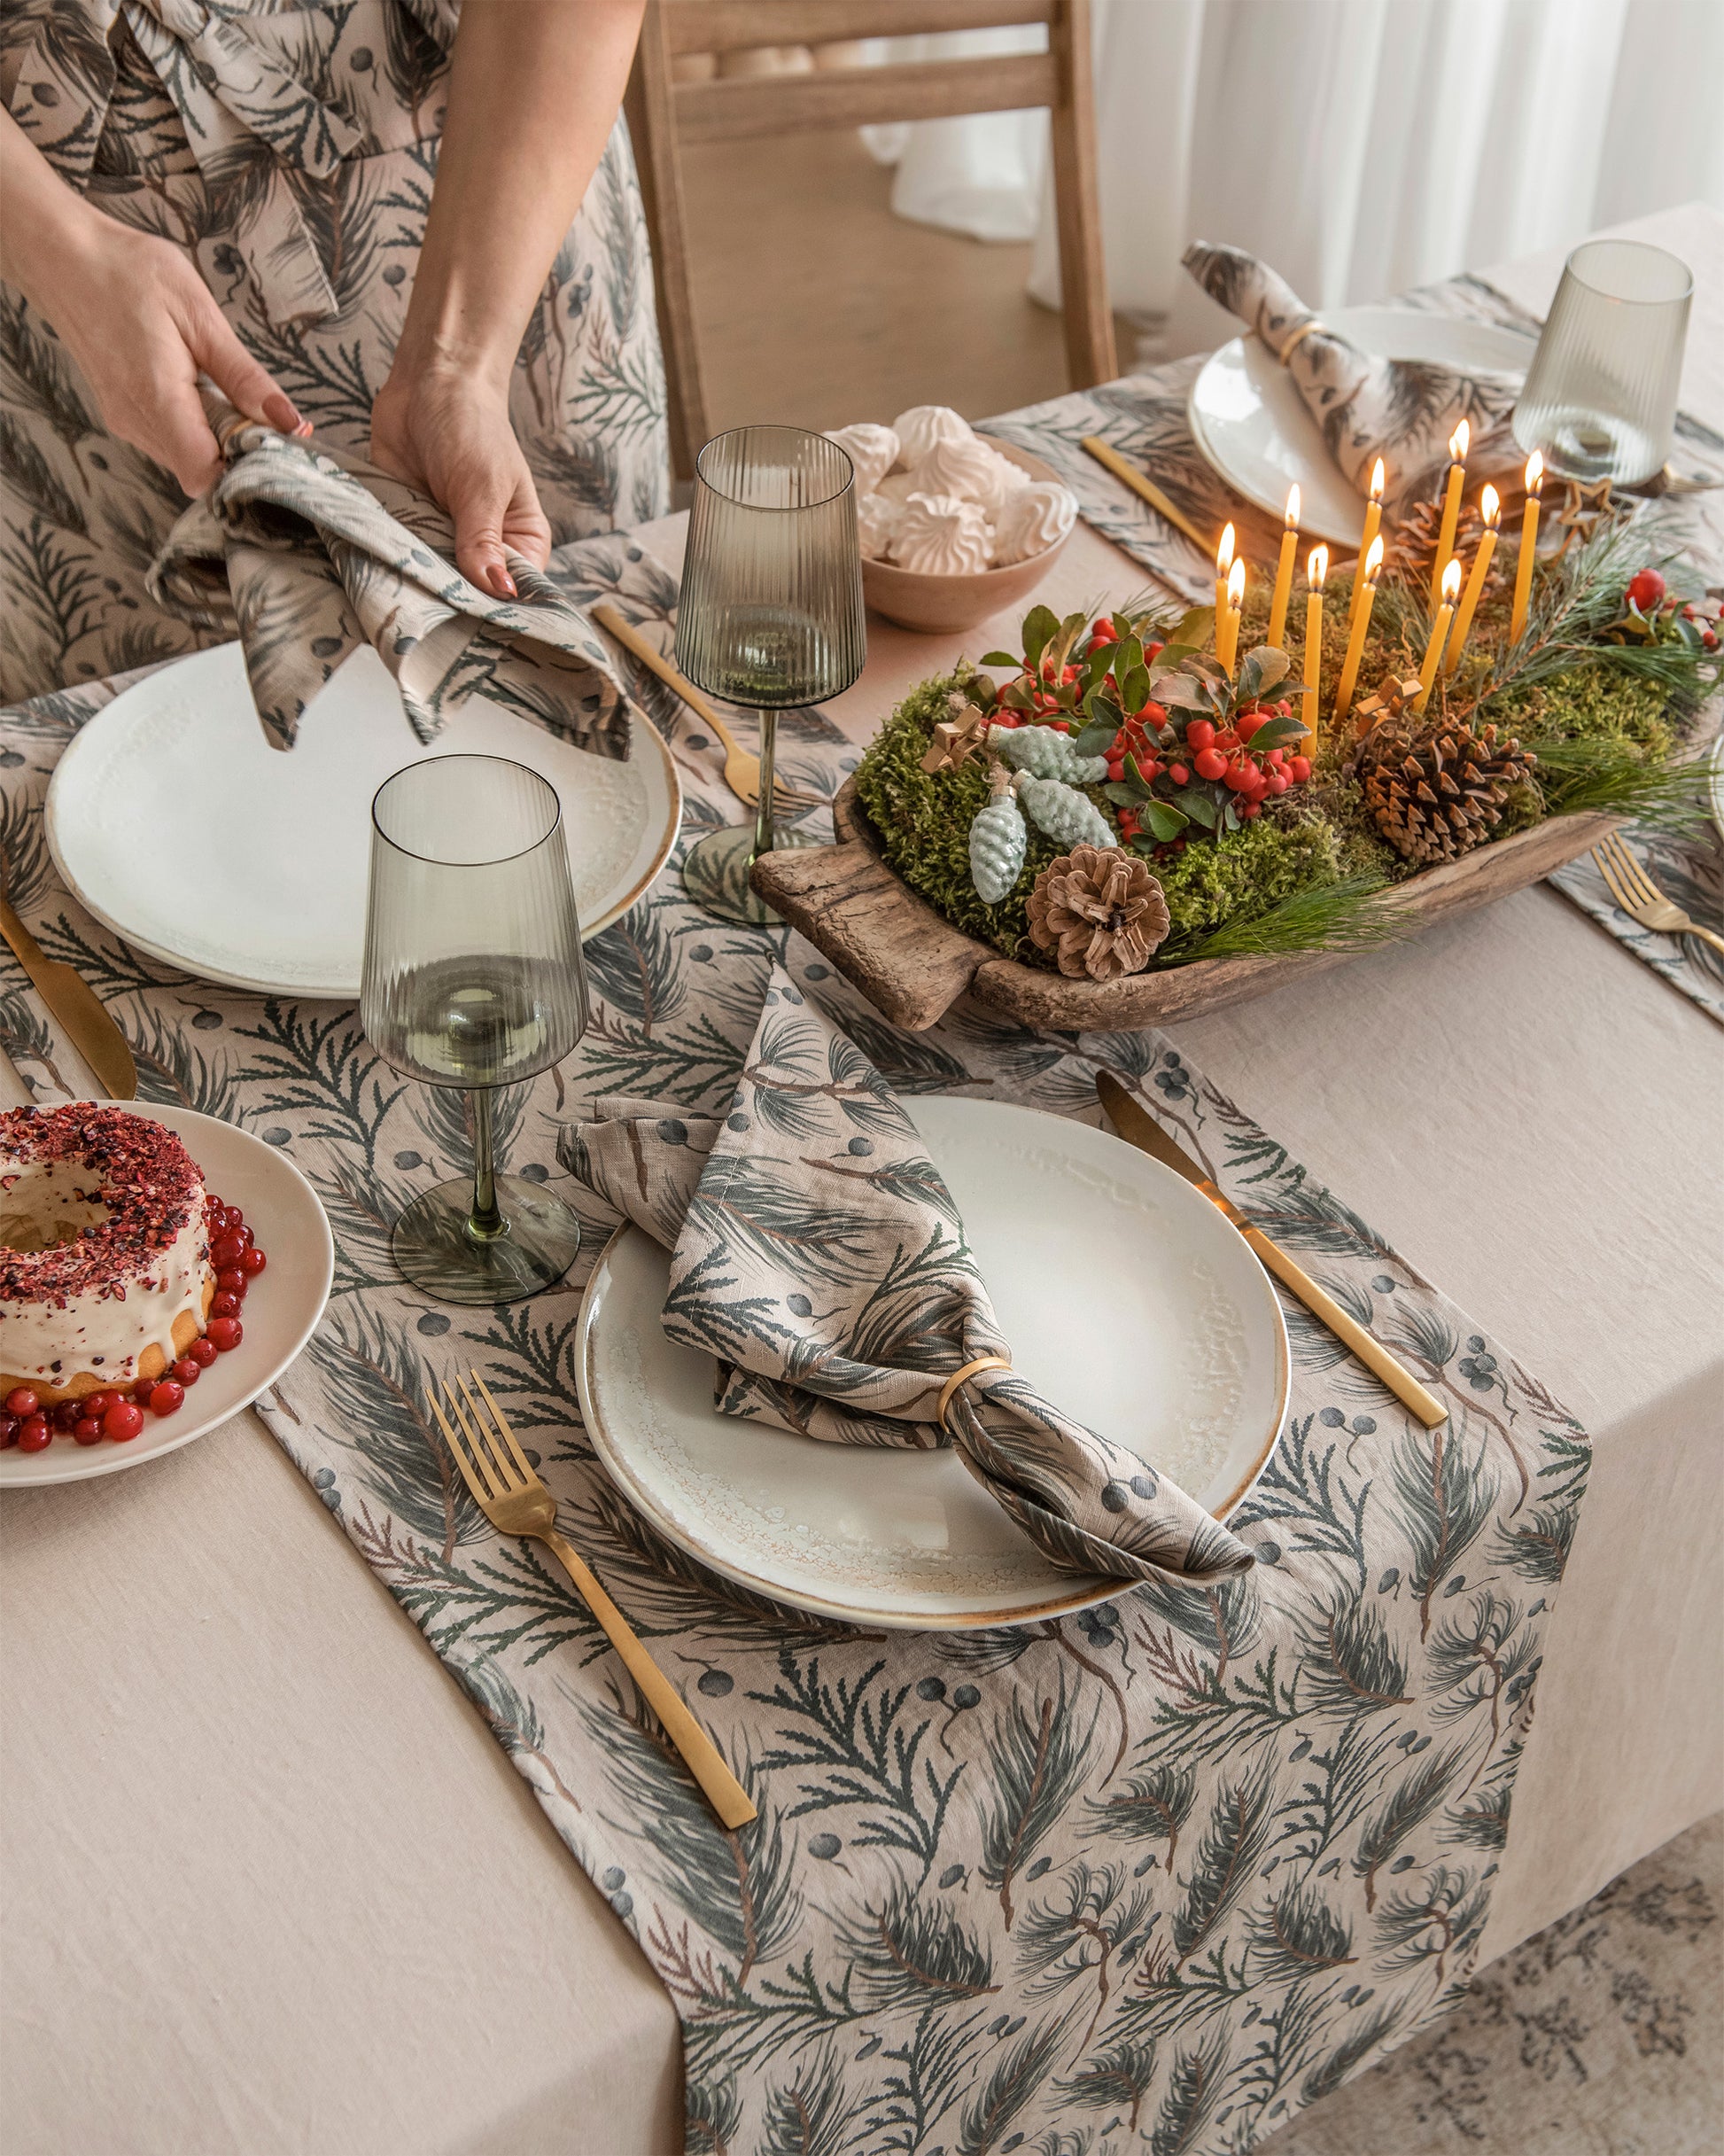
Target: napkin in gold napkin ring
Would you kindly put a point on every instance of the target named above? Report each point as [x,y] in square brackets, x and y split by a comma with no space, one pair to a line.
[1302,332]
[982,1362]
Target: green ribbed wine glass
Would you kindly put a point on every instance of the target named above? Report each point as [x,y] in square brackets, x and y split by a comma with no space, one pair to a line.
[473,978]
[770,615]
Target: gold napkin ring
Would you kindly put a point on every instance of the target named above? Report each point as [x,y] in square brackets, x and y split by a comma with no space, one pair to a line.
[982,1362]
[1303,330]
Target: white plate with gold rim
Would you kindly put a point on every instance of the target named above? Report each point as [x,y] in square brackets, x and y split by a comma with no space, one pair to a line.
[1127,1298]
[171,819]
[1249,418]
[279,1315]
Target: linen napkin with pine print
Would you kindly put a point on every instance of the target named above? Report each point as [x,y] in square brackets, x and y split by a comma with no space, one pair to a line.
[816,1252]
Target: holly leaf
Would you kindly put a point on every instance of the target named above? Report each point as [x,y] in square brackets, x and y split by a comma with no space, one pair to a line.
[1276,733]
[1163,819]
[1230,818]
[1185,692]
[1271,664]
[1137,778]
[1019,697]
[1170,659]
[1041,625]
[1001,658]
[1134,688]
[1121,795]
[981,690]
[1097,738]
[1201,808]
[1194,627]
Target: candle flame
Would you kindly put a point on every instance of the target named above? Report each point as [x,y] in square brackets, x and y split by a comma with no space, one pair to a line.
[1236,582]
[1451,580]
[1458,441]
[1316,568]
[1376,477]
[1224,552]
[1491,507]
[1293,507]
[1535,472]
[1374,558]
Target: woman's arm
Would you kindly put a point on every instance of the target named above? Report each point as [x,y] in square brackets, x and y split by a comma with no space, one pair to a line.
[534,93]
[133,313]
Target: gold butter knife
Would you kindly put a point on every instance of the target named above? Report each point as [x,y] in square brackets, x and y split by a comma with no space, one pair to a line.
[76,1007]
[1127,475]
[1135,1125]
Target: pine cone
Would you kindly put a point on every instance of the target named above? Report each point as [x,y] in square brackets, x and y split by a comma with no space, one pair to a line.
[1407,556]
[1101,909]
[1436,792]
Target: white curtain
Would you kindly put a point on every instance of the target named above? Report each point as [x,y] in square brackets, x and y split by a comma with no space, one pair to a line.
[1361,145]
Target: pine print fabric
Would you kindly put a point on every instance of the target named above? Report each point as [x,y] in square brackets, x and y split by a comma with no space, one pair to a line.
[1144,1881]
[818,1254]
[291,151]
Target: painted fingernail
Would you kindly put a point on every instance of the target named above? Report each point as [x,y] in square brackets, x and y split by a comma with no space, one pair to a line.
[503,583]
[280,412]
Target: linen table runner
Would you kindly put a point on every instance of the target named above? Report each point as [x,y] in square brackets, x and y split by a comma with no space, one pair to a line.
[1144,417]
[1158,1875]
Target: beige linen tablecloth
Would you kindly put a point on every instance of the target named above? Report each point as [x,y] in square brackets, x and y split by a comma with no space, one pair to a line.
[268,1885]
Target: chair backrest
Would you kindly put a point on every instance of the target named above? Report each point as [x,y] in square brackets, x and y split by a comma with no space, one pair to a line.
[664,113]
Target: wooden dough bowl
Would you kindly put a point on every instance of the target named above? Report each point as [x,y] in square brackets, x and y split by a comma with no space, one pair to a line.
[912,965]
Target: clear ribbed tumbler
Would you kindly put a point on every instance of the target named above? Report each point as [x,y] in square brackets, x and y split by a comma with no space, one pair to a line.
[1600,400]
[770,615]
[473,978]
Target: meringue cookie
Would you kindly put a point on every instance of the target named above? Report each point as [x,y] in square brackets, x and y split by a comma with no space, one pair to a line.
[872,450]
[922,425]
[878,519]
[967,467]
[1035,518]
[942,536]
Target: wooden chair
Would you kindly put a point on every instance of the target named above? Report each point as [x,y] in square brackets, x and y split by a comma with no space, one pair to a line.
[664,113]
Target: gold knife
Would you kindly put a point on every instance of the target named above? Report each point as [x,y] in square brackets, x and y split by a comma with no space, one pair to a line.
[75,1004]
[1127,475]
[1135,1125]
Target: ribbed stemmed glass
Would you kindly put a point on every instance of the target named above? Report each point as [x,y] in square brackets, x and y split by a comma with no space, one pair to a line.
[473,978]
[770,614]
[1600,400]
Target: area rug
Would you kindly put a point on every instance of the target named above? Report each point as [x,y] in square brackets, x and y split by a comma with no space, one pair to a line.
[1603,2035]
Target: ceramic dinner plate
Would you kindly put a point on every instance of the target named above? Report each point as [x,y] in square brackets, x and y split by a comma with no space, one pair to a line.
[1251,422]
[171,819]
[1127,1298]
[282,1310]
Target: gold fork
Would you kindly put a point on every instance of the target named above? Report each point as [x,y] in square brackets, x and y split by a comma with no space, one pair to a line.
[1639,897]
[517,1502]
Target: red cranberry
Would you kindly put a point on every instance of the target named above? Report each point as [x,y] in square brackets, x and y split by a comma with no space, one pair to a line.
[86,1430]
[66,1413]
[97,1404]
[1116,769]
[1249,809]
[246,1236]
[20,1401]
[34,1434]
[226,1251]
[1646,590]
[1300,768]
[227,1332]
[231,1281]
[123,1420]
[202,1353]
[1210,763]
[142,1391]
[8,1432]
[1179,774]
[1200,735]
[222,1307]
[166,1398]
[234,1217]
[186,1372]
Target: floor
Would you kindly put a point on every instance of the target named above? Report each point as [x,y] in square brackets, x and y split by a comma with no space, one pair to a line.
[1602,2037]
[870,314]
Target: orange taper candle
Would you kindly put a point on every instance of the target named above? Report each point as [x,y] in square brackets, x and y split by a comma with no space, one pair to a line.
[1427,672]
[1355,642]
[1491,509]
[1284,572]
[1373,525]
[1316,568]
[1529,542]
[1451,505]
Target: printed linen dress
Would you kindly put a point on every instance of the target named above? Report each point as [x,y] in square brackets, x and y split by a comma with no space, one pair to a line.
[292,152]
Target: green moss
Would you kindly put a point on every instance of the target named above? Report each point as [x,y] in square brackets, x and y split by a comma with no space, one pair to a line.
[924,823]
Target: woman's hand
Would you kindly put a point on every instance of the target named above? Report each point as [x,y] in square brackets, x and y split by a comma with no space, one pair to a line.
[445,429]
[134,314]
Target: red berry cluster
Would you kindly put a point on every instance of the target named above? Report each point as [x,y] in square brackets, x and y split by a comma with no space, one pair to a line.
[1649,597]
[30,1424]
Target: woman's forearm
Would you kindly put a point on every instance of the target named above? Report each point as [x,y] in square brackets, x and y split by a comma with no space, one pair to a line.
[43,221]
[533,92]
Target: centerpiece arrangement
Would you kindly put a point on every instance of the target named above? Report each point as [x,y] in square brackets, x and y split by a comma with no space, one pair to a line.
[1136,814]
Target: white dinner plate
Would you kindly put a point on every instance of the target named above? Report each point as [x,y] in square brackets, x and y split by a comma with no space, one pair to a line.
[1127,1298]
[1251,422]
[171,819]
[280,1311]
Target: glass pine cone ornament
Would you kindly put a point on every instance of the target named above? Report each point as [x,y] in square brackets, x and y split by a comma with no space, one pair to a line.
[998,840]
[1100,912]
[1047,753]
[1436,792]
[1069,817]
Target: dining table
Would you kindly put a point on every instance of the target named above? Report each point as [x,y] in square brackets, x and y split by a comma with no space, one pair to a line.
[268,1883]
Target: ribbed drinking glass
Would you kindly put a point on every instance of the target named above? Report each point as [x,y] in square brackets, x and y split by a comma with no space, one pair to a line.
[473,979]
[770,614]
[1600,400]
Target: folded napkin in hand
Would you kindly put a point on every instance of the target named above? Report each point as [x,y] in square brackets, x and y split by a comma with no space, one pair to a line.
[307,552]
[816,1252]
[1402,410]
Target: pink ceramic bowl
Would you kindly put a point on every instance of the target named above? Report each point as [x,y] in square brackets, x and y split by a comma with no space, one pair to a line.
[944,606]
